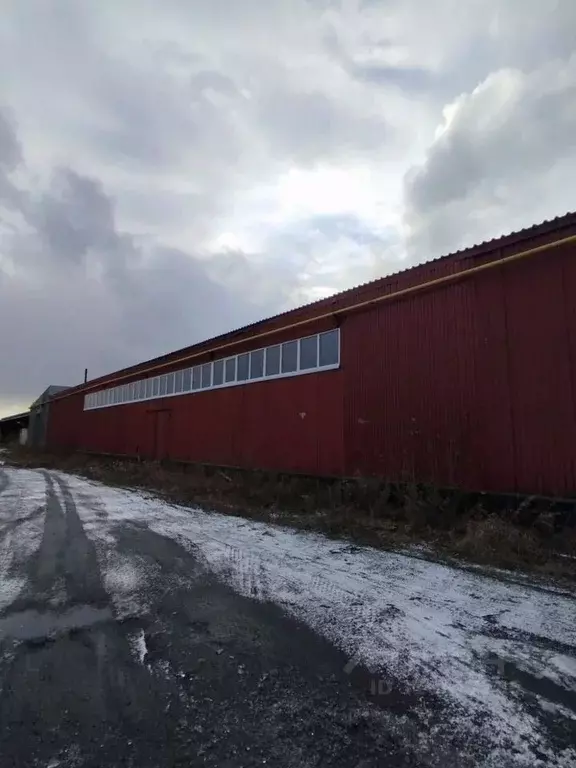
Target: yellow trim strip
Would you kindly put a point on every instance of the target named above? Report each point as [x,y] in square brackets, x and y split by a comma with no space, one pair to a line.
[353,308]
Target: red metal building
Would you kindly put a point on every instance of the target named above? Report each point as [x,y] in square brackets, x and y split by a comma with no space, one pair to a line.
[459,372]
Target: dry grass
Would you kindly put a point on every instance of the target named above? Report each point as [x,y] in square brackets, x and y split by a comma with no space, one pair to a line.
[529,535]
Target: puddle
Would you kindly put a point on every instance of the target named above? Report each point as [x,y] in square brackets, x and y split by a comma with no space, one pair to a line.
[35,625]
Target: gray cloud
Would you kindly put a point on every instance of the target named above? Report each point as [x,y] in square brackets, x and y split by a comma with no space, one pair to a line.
[81,292]
[513,134]
[10,159]
[154,159]
[10,150]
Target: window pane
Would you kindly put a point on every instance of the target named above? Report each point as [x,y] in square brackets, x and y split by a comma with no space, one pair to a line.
[218,373]
[329,348]
[206,375]
[126,392]
[230,372]
[187,380]
[273,361]
[308,353]
[155,383]
[243,367]
[170,384]
[289,356]
[196,377]
[147,387]
[163,380]
[178,381]
[257,364]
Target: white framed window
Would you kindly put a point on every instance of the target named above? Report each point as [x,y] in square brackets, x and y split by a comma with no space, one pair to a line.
[230,370]
[243,367]
[170,384]
[289,359]
[329,348]
[218,373]
[206,375]
[273,360]
[257,364]
[308,353]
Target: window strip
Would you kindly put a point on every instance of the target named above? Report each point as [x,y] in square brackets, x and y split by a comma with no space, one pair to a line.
[328,357]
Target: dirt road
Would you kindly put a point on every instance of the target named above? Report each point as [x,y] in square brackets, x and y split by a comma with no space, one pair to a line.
[136,633]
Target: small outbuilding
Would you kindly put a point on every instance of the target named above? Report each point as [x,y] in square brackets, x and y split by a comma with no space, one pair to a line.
[38,421]
[14,429]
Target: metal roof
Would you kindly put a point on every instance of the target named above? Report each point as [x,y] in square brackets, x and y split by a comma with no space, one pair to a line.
[15,417]
[344,298]
[49,392]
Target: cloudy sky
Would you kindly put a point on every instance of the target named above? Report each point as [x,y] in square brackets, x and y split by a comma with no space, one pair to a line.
[170,170]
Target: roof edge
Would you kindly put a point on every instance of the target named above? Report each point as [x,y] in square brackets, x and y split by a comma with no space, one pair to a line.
[505,241]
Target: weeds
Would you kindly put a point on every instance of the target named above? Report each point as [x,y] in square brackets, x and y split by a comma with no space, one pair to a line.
[528,534]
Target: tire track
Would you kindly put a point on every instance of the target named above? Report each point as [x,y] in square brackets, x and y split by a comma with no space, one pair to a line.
[68,678]
[4,480]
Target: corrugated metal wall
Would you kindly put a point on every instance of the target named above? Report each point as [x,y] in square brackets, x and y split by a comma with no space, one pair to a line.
[469,385]
[292,424]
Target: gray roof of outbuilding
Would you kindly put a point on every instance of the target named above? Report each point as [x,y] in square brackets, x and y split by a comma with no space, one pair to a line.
[15,417]
[53,389]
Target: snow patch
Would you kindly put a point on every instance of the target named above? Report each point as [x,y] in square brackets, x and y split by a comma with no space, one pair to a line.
[22,511]
[421,625]
[138,644]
